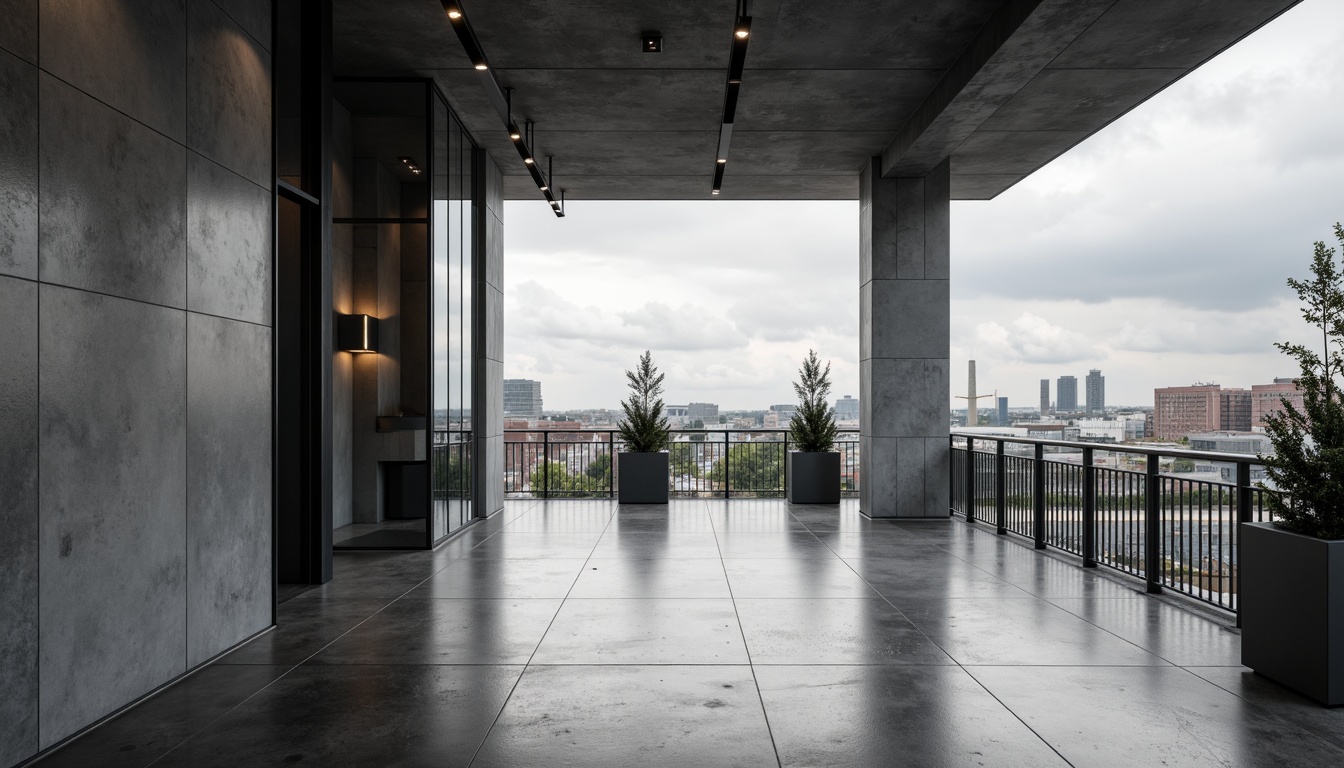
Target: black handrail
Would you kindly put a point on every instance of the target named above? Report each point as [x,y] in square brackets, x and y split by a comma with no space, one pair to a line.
[760,462]
[1174,532]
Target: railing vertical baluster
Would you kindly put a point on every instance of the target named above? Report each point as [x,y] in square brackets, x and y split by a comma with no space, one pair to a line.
[1234,534]
[786,465]
[951,477]
[1089,510]
[1000,491]
[1152,528]
[611,465]
[546,465]
[727,468]
[970,479]
[1038,497]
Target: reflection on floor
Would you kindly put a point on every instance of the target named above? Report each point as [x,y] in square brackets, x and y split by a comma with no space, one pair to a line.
[389,534]
[723,633]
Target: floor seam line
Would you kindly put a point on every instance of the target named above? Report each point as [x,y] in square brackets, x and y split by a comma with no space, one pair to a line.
[746,647]
[504,704]
[955,661]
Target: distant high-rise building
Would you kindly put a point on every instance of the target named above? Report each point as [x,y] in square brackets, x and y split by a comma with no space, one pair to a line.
[1096,393]
[1003,411]
[847,409]
[1045,397]
[1182,411]
[785,412]
[1066,394]
[522,398]
[708,413]
[1268,398]
[1234,410]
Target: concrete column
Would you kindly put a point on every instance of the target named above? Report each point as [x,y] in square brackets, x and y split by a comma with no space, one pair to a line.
[903,345]
[488,351]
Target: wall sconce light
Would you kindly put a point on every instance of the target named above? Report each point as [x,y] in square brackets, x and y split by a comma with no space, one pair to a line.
[357,333]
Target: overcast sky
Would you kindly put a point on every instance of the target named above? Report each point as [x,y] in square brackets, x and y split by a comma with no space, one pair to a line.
[1155,251]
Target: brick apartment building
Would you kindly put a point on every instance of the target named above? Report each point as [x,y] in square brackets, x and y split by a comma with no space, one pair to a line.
[1180,411]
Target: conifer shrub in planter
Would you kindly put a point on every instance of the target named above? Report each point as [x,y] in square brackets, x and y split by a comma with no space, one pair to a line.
[642,472]
[813,467]
[1291,571]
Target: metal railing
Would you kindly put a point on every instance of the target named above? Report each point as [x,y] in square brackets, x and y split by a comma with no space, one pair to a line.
[450,464]
[713,463]
[1116,506]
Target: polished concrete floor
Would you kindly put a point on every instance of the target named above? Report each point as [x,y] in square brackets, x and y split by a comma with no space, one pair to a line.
[714,633]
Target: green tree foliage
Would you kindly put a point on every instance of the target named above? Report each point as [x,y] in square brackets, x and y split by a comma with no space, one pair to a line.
[812,428]
[751,467]
[553,478]
[599,468]
[683,460]
[452,476]
[644,428]
[1308,464]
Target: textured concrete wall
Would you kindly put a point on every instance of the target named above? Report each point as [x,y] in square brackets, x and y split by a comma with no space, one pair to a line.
[135,267]
[488,410]
[903,343]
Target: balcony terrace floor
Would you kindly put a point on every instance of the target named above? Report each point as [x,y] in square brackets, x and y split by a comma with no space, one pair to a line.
[733,633]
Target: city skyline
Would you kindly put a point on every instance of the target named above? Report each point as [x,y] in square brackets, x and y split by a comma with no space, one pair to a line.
[1221,184]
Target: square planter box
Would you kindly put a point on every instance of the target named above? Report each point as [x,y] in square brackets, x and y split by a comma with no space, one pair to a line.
[642,478]
[1292,610]
[813,478]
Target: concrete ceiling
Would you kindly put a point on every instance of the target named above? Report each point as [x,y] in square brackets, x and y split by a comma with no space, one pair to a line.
[1002,86]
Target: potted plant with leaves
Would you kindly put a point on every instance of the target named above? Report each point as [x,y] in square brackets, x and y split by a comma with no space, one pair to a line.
[1291,570]
[812,468]
[642,475]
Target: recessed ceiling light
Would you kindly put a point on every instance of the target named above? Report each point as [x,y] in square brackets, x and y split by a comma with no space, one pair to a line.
[741,34]
[515,136]
[482,65]
[527,160]
[651,42]
[714,192]
[543,187]
[722,160]
[454,14]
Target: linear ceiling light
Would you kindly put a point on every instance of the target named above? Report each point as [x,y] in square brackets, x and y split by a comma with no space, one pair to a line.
[502,98]
[737,59]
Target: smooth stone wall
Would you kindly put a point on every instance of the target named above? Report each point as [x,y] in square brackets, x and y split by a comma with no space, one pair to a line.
[135,483]
[229,575]
[18,167]
[18,523]
[113,495]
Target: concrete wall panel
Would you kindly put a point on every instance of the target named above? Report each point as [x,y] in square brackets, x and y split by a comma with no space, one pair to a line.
[113,497]
[910,479]
[18,35]
[937,223]
[908,396]
[18,167]
[126,54]
[494,323]
[18,523]
[910,229]
[229,250]
[113,201]
[254,16]
[910,318]
[229,109]
[494,257]
[937,476]
[228,484]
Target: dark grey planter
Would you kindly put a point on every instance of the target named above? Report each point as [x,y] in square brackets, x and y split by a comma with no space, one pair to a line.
[642,478]
[813,478]
[1292,610]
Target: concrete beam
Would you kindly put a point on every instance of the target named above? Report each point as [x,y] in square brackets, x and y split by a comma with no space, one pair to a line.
[1019,40]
